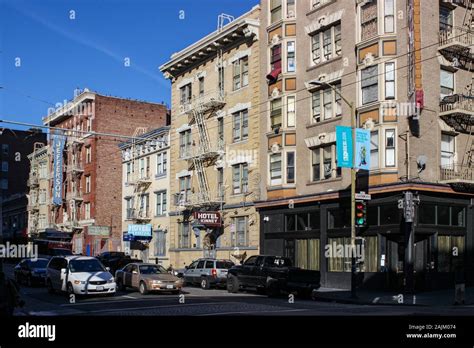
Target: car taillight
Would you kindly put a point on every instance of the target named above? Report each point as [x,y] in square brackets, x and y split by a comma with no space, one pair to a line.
[214,272]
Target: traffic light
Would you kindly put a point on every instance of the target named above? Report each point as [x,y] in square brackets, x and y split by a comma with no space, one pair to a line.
[361,214]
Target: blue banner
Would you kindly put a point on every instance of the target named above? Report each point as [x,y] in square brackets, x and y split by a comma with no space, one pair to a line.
[138,232]
[344,146]
[59,140]
[362,149]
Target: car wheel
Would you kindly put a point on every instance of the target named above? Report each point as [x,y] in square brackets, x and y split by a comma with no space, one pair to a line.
[233,284]
[205,283]
[49,286]
[70,289]
[142,288]
[120,286]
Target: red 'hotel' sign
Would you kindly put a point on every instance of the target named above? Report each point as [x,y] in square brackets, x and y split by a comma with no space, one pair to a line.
[208,218]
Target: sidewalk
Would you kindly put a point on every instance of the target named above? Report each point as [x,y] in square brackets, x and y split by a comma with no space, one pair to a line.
[366,297]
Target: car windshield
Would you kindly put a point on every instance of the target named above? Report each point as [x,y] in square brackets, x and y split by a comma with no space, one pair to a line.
[86,266]
[151,269]
[224,264]
[39,263]
[58,252]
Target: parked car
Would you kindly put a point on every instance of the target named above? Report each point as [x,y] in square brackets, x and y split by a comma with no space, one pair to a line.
[81,275]
[272,275]
[147,277]
[115,260]
[31,271]
[207,272]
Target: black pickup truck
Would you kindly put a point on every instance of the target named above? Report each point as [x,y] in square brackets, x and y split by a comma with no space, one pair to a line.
[272,275]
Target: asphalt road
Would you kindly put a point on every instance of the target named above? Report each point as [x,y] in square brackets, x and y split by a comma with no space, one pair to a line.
[197,302]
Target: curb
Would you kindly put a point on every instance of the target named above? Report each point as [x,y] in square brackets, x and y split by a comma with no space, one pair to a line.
[367,303]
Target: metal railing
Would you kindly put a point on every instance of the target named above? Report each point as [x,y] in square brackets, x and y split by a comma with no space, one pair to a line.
[135,214]
[457,172]
[181,199]
[450,35]
[457,102]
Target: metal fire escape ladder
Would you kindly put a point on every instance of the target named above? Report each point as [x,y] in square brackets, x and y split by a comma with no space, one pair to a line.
[139,186]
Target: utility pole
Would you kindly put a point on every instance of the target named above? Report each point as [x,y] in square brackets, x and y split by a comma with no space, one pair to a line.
[408,203]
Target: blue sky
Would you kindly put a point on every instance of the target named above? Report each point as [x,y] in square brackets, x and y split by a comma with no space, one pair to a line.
[58,54]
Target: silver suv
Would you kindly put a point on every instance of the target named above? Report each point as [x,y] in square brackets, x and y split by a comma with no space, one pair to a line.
[207,272]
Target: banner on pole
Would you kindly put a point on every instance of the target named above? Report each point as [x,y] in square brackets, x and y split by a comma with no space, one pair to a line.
[344,146]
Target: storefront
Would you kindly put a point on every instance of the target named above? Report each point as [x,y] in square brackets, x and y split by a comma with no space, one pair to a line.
[310,233]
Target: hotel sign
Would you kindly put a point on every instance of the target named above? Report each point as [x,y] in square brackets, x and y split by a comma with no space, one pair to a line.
[138,232]
[208,218]
[59,140]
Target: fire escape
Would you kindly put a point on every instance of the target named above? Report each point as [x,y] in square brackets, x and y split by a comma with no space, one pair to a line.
[34,192]
[140,180]
[457,45]
[74,171]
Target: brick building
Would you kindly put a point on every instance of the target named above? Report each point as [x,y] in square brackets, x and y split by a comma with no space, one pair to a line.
[87,188]
[407,67]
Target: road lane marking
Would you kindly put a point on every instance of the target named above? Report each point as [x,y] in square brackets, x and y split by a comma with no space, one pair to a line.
[251,312]
[133,298]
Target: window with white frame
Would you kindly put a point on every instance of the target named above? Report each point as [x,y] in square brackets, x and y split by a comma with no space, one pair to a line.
[240,125]
[324,165]
[184,235]
[184,143]
[390,80]
[161,163]
[160,243]
[446,83]
[88,154]
[185,94]
[88,184]
[240,174]
[129,207]
[330,101]
[290,56]
[275,113]
[144,205]
[160,203]
[369,20]
[241,73]
[370,84]
[240,235]
[89,124]
[291,111]
[374,150]
[290,167]
[87,211]
[185,185]
[275,10]
[144,167]
[42,196]
[290,9]
[326,44]
[43,171]
[448,150]
[129,172]
[276,169]
[201,86]
[390,148]
[389,16]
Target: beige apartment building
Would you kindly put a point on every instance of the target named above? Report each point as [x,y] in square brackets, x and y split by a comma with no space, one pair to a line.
[406,65]
[145,194]
[215,137]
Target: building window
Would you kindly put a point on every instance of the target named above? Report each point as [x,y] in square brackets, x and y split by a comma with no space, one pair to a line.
[369,82]
[290,56]
[291,111]
[324,163]
[389,16]
[332,106]
[275,169]
[201,86]
[368,20]
[186,94]
[339,263]
[240,175]
[88,154]
[129,172]
[4,166]
[220,129]
[390,81]
[331,44]
[290,9]
[275,10]
[144,167]
[275,59]
[184,235]
[144,205]
[241,125]
[185,186]
[221,80]
[129,206]
[374,150]
[88,184]
[43,171]
[446,83]
[240,236]
[42,196]
[160,203]
[307,254]
[220,183]
[290,167]
[161,163]
[160,243]
[275,113]
[184,143]
[87,211]
[445,18]
[5,149]
[241,73]
[446,259]
[390,148]
[447,150]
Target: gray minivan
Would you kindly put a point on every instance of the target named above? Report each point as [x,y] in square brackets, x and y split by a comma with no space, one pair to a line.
[207,273]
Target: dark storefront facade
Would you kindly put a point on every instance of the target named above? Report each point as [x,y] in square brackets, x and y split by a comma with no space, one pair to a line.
[309,228]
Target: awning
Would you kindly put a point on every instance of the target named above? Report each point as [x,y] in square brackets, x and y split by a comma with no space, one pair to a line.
[273,76]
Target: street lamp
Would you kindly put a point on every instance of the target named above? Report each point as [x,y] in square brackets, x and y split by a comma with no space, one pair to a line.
[353,179]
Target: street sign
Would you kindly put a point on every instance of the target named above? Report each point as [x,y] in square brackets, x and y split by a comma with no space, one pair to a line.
[363,196]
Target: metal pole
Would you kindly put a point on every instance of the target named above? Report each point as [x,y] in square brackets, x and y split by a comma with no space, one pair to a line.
[353,189]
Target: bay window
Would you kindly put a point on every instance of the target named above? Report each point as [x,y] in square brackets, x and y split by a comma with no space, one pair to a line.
[374,150]
[291,111]
[390,81]
[390,148]
[368,20]
[275,113]
[275,10]
[290,57]
[389,16]
[370,85]
[330,40]
[290,167]
[275,169]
